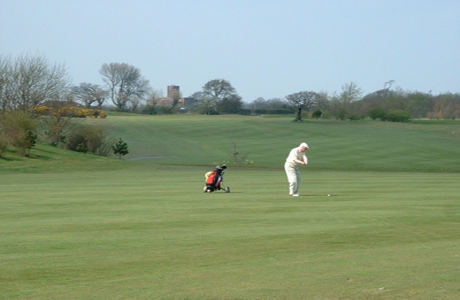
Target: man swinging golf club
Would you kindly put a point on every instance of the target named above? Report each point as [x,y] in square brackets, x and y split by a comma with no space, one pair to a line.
[295,158]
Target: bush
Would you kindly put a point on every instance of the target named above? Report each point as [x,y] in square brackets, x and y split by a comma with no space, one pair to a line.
[3,144]
[101,114]
[305,114]
[106,146]
[341,113]
[82,148]
[326,115]
[149,110]
[68,111]
[163,110]
[317,114]
[91,137]
[18,130]
[354,117]
[398,116]
[377,113]
[74,139]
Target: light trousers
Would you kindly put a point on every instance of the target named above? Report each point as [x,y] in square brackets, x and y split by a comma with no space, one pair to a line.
[293,176]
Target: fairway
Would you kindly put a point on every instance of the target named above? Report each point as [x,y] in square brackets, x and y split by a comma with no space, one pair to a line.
[77,226]
[151,233]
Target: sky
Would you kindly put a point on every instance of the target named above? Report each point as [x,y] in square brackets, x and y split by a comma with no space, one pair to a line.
[264,48]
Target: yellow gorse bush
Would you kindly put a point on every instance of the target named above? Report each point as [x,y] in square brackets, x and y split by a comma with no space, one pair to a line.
[41,110]
[69,111]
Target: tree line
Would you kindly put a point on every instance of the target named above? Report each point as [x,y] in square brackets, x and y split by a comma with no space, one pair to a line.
[38,100]
[350,104]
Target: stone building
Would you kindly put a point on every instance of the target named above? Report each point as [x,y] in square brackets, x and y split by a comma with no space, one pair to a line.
[174,94]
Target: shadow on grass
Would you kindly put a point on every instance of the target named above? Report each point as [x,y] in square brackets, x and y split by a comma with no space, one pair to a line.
[32,156]
[9,158]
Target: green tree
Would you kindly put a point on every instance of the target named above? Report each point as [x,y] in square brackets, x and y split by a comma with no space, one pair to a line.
[317,114]
[217,96]
[120,148]
[230,105]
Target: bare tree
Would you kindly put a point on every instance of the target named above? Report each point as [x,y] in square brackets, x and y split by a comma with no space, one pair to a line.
[387,85]
[258,103]
[26,82]
[89,93]
[153,97]
[301,100]
[276,103]
[350,93]
[134,103]
[4,82]
[124,81]
[30,80]
[236,154]
[55,125]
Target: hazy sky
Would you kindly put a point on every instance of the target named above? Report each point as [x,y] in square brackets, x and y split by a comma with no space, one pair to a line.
[265,48]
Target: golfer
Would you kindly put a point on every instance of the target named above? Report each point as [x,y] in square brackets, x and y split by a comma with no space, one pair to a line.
[295,158]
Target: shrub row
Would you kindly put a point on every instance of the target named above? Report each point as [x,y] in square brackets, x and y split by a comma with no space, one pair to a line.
[392,115]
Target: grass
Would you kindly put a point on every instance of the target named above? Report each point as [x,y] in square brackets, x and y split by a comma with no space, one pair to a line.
[47,159]
[84,227]
[424,146]
[366,145]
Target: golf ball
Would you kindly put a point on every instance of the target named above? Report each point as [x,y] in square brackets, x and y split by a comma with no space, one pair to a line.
[328,195]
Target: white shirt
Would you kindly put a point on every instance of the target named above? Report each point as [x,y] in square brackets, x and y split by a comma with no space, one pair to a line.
[296,156]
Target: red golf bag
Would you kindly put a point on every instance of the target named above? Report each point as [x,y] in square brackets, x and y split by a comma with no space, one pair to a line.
[214,180]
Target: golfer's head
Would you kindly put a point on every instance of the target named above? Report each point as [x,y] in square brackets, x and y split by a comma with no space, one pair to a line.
[303,147]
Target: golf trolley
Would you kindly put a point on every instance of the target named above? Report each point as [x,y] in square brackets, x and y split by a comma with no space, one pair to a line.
[214,180]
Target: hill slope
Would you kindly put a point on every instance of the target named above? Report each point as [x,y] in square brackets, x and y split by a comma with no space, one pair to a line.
[262,142]
[265,142]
